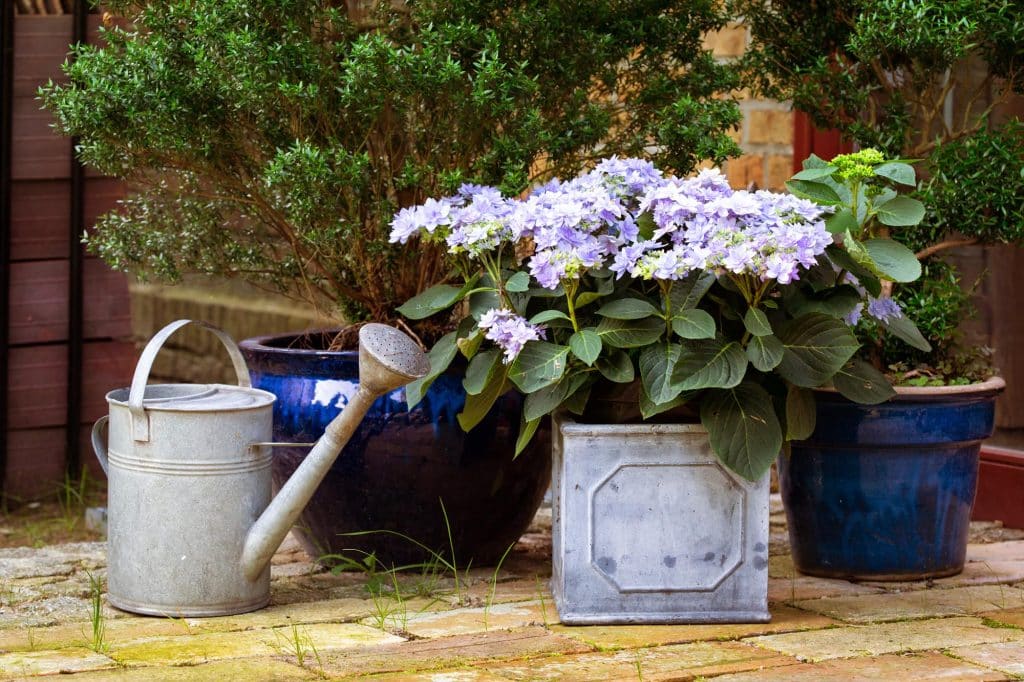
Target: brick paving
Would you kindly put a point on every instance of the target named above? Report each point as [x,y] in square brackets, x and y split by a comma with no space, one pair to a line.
[326,626]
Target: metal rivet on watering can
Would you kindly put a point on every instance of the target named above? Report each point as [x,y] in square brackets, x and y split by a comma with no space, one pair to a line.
[191,526]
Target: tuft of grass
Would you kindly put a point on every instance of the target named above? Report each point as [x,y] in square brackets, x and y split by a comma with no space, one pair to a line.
[543,602]
[494,583]
[299,644]
[990,623]
[97,620]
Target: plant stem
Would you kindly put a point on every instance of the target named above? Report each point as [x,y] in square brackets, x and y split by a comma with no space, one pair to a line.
[570,286]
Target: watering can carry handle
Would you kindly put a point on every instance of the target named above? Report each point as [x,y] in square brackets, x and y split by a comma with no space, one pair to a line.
[140,422]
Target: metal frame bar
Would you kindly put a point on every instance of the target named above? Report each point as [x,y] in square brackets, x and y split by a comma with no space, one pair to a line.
[6,137]
[76,226]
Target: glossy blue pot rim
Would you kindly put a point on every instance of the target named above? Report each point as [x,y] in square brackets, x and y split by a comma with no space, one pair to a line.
[912,394]
[270,344]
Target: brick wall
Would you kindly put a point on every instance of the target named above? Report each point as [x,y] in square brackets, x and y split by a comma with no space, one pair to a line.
[766,132]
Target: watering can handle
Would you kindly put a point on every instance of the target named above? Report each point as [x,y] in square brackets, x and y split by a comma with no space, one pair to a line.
[99,441]
[140,422]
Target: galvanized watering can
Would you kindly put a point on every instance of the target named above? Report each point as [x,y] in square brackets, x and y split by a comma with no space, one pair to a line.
[191,525]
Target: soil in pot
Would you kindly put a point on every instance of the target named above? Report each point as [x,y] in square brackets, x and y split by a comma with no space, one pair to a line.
[407,477]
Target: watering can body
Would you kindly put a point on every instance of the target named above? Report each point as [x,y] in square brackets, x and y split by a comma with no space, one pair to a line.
[191,524]
[187,479]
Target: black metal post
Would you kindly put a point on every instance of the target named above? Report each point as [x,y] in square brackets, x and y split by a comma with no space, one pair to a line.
[6,137]
[76,223]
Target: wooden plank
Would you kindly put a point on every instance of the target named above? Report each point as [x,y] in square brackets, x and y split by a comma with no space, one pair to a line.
[1006,269]
[1000,487]
[37,389]
[35,461]
[40,211]
[39,303]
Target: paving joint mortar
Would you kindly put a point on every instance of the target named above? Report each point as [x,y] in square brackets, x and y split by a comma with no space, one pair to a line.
[322,625]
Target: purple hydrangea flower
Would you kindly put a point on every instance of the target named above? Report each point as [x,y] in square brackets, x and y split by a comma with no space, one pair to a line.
[884,309]
[509,331]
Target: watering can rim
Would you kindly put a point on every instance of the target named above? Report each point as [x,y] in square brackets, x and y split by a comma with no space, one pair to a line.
[184,402]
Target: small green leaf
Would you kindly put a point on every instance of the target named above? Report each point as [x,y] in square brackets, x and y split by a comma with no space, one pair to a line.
[578,395]
[709,364]
[433,300]
[542,402]
[630,333]
[480,370]
[845,261]
[841,221]
[586,345]
[801,414]
[482,301]
[469,345]
[893,260]
[518,282]
[757,322]
[743,428]
[646,225]
[477,406]
[686,293]
[901,211]
[694,323]
[587,297]
[898,172]
[860,382]
[836,302]
[649,408]
[628,309]
[547,316]
[657,362]
[905,330]
[440,356]
[539,364]
[816,347]
[765,352]
[616,367]
[815,191]
[815,173]
[526,431]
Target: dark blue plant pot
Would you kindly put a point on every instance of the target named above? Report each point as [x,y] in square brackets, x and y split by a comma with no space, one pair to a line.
[400,464]
[884,492]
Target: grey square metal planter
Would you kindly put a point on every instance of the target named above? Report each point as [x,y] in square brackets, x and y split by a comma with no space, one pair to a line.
[649,527]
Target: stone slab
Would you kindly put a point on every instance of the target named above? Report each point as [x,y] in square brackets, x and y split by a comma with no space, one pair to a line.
[918,604]
[672,662]
[1013,617]
[997,551]
[1006,657]
[886,638]
[892,667]
[784,619]
[974,573]
[219,671]
[201,648]
[440,676]
[22,664]
[800,587]
[449,652]
[471,620]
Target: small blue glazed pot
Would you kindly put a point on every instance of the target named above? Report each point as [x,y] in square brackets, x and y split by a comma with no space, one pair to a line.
[400,464]
[884,492]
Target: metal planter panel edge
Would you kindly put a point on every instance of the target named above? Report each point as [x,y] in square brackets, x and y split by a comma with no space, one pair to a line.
[649,527]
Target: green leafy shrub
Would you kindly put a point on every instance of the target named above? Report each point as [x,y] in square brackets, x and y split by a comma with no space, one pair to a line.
[274,140]
[918,79]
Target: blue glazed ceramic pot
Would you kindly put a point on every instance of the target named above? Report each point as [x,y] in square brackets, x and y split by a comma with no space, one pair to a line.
[400,464]
[884,492]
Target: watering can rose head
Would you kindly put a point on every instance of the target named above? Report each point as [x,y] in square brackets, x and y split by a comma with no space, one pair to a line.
[735,301]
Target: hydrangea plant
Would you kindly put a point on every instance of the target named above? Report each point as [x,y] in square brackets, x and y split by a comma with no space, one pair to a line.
[733,301]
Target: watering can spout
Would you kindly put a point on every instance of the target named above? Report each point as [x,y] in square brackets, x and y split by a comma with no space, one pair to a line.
[388,359]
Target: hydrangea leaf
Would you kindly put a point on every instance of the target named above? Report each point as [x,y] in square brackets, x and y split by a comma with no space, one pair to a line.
[694,323]
[480,370]
[862,383]
[818,192]
[687,293]
[586,345]
[905,330]
[709,364]
[757,322]
[801,413]
[542,402]
[743,428]
[816,347]
[440,356]
[539,364]
[477,406]
[765,352]
[616,367]
[630,333]
[526,431]
[901,211]
[518,282]
[628,309]
[902,173]
[893,260]
[657,363]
